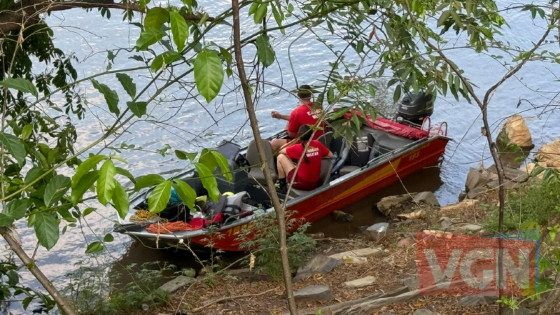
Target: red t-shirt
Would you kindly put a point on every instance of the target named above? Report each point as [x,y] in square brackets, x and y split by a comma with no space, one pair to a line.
[304,115]
[309,172]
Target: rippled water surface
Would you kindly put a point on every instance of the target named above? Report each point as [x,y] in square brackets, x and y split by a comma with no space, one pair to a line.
[188,126]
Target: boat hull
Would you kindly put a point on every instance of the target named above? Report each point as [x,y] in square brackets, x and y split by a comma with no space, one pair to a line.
[377,174]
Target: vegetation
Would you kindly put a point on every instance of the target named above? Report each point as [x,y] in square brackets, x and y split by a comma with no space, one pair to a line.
[92,291]
[47,174]
[12,291]
[263,243]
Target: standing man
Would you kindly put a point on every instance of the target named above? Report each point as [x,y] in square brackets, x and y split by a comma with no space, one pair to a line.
[306,113]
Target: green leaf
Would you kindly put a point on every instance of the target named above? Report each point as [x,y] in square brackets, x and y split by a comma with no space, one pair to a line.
[5,220]
[208,181]
[85,183]
[179,29]
[138,108]
[85,166]
[397,94]
[155,17]
[46,228]
[149,37]
[106,182]
[182,155]
[20,84]
[208,159]
[208,74]
[254,6]
[120,200]
[222,163]
[330,95]
[33,174]
[127,84]
[14,146]
[278,17]
[260,13]
[65,213]
[158,198]
[108,238]
[185,192]
[26,131]
[110,96]
[15,209]
[125,173]
[167,57]
[443,18]
[148,180]
[55,189]
[94,247]
[88,211]
[143,3]
[264,50]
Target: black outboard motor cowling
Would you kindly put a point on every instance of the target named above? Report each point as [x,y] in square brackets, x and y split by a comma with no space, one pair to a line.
[414,107]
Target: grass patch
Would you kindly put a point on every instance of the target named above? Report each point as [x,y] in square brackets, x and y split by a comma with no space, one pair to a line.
[533,203]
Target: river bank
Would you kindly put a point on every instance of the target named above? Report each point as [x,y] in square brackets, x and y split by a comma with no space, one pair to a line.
[376,272]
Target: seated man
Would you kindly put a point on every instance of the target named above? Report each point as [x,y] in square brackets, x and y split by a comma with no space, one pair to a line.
[309,171]
[306,113]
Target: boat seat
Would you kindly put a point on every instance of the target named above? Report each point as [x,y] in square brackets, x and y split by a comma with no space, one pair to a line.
[382,143]
[326,168]
[347,169]
[256,174]
[326,138]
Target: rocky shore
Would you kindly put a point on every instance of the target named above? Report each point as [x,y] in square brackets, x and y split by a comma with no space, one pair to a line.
[375,272]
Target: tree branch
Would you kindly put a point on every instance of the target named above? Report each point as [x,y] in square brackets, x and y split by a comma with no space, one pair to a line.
[27,12]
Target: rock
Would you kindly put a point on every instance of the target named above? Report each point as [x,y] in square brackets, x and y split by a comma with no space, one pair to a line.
[517,132]
[476,178]
[423,311]
[426,197]
[319,264]
[515,175]
[177,283]
[419,214]
[313,293]
[393,205]
[362,252]
[514,141]
[462,195]
[467,227]
[405,242]
[341,216]
[411,283]
[476,192]
[549,154]
[360,283]
[377,231]
[446,223]
[465,205]
[473,300]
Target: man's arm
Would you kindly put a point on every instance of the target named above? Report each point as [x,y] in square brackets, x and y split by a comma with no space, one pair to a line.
[277,115]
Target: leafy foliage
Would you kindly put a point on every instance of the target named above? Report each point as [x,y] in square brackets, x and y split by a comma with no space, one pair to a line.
[263,240]
[11,288]
[93,291]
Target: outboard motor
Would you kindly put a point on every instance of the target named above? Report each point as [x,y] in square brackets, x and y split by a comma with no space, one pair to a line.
[414,107]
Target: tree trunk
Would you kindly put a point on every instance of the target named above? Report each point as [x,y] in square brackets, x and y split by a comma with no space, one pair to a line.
[280,215]
[11,237]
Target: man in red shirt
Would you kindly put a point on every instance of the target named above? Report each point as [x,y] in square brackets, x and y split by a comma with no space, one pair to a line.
[306,113]
[309,171]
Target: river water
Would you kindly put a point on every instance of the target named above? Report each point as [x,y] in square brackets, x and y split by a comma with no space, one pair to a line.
[189,127]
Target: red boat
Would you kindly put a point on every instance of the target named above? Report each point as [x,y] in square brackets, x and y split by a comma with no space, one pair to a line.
[385,152]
